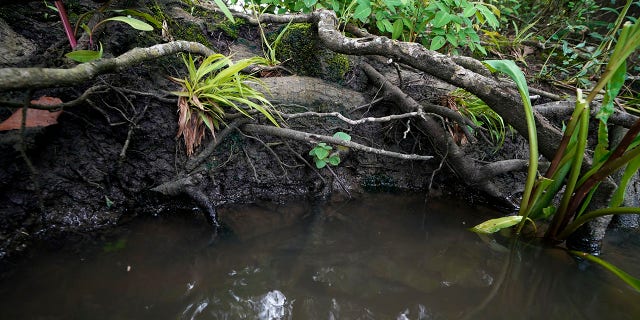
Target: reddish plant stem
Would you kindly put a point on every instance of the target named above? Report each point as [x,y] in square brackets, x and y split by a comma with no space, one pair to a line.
[65,23]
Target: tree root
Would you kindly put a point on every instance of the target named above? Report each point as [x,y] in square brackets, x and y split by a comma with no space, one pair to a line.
[506,103]
[35,78]
[458,161]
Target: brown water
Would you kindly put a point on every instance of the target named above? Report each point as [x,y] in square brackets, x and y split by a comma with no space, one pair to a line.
[384,257]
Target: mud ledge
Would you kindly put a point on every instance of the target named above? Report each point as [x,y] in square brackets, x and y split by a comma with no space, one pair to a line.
[99,166]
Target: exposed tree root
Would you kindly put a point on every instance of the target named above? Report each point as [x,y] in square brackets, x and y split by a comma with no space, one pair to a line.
[458,161]
[35,78]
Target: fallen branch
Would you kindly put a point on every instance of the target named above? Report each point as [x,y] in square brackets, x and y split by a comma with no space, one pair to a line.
[499,167]
[564,109]
[339,115]
[314,138]
[35,78]
[56,107]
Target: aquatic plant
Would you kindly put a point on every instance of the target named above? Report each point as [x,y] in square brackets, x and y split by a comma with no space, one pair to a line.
[565,177]
[210,88]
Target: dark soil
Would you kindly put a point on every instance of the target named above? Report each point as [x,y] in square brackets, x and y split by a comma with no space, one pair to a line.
[79,183]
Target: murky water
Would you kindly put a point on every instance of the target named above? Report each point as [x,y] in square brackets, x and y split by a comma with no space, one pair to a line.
[384,257]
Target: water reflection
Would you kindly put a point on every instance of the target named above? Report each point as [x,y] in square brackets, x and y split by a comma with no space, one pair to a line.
[384,257]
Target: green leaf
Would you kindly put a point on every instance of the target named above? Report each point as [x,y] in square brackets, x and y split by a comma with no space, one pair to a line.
[85,55]
[133,22]
[629,172]
[225,10]
[441,19]
[144,15]
[606,110]
[627,278]
[334,160]
[397,29]
[452,39]
[109,202]
[469,11]
[86,29]
[393,3]
[208,121]
[511,69]
[613,88]
[362,12]
[342,135]
[437,42]
[495,225]
[310,3]
[321,153]
[548,211]
[320,163]
[489,16]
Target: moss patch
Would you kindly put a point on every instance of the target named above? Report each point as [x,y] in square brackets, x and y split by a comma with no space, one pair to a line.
[183,30]
[301,53]
[297,48]
[335,65]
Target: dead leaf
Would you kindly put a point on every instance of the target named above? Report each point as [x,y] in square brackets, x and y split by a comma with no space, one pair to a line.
[35,117]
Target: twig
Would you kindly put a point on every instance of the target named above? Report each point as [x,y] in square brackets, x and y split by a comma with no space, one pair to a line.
[433,175]
[78,101]
[306,162]
[132,127]
[339,181]
[194,162]
[23,152]
[148,94]
[350,121]
[255,173]
[275,155]
[499,167]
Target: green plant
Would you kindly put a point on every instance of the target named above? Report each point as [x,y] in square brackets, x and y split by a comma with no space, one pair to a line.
[269,50]
[322,153]
[436,24]
[565,176]
[90,55]
[627,278]
[480,113]
[565,168]
[581,40]
[440,23]
[210,90]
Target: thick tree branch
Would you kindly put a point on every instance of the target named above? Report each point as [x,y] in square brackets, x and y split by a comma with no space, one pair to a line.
[564,109]
[505,101]
[34,78]
[499,167]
